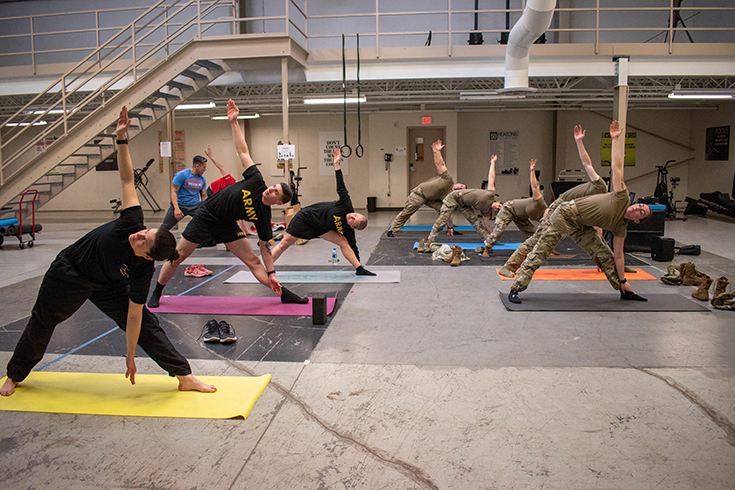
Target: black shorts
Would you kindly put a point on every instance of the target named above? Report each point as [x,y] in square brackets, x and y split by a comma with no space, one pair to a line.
[205,229]
[302,226]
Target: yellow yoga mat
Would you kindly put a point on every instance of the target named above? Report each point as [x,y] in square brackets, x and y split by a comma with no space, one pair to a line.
[151,396]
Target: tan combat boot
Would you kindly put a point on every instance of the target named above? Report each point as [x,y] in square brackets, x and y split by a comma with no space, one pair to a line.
[702,293]
[421,246]
[456,256]
[690,276]
[487,251]
[720,287]
[672,276]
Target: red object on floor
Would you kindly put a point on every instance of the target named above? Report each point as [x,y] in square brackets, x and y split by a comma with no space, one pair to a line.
[236,305]
[581,275]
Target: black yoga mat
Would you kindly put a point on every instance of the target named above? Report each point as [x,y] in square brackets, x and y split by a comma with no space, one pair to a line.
[570,301]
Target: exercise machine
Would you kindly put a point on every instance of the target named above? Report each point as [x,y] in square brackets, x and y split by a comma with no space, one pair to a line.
[141,182]
[663,195]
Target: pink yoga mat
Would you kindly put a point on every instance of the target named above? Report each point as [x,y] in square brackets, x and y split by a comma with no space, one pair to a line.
[236,305]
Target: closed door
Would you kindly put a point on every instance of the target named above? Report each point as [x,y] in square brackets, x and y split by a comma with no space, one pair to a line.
[420,156]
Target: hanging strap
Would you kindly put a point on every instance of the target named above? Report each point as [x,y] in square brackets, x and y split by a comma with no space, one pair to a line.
[345,149]
[359,150]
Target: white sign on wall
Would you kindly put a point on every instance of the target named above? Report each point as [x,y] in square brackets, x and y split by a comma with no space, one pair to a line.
[328,142]
[286,152]
[505,145]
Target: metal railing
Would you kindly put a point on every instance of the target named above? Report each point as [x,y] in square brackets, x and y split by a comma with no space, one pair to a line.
[90,79]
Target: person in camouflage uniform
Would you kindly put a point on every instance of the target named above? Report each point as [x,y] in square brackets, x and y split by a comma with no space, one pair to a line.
[595,186]
[578,219]
[477,205]
[432,193]
[519,211]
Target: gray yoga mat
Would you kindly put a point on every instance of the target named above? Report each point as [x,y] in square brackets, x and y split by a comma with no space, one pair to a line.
[600,302]
[286,277]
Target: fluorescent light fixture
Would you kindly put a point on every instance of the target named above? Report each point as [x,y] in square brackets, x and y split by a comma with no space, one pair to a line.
[183,107]
[699,95]
[37,123]
[489,96]
[336,100]
[245,116]
[52,111]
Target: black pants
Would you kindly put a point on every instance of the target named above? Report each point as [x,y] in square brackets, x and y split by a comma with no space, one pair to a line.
[63,291]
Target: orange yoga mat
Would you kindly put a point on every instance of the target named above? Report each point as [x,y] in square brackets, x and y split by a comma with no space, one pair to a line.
[581,275]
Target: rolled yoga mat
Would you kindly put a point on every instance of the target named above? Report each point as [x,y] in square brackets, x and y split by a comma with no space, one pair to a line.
[571,301]
[236,305]
[151,396]
[27,227]
[473,246]
[8,222]
[581,275]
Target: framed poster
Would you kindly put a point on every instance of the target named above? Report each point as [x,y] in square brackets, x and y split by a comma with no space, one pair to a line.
[328,142]
[717,145]
[630,148]
[505,145]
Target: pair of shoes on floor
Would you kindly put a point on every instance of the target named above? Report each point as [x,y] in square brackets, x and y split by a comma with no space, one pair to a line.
[702,292]
[215,331]
[197,271]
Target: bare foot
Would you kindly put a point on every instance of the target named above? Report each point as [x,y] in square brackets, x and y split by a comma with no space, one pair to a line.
[8,387]
[190,383]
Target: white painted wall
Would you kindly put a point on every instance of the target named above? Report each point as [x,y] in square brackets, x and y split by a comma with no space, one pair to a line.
[709,176]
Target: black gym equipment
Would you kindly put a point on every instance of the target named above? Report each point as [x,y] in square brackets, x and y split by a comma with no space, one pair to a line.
[663,195]
[141,182]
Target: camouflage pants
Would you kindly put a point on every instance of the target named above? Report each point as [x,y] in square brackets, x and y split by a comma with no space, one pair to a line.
[565,222]
[503,219]
[520,254]
[414,201]
[452,203]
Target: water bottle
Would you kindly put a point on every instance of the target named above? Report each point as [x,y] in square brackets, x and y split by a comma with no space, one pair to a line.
[334,259]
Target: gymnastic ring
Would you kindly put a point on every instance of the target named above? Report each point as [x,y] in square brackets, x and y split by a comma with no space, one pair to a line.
[359,151]
[343,153]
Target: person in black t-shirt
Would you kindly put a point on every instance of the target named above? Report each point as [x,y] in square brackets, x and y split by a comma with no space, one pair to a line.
[216,221]
[334,221]
[112,267]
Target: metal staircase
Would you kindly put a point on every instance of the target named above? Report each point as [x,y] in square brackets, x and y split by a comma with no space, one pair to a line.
[82,137]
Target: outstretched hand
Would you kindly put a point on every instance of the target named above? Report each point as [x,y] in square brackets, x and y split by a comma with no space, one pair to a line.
[437,145]
[131,369]
[579,133]
[533,164]
[208,152]
[615,130]
[123,123]
[493,158]
[275,284]
[337,158]
[232,111]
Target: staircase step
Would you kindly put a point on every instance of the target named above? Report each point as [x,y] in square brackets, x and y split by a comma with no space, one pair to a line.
[98,145]
[193,75]
[164,95]
[179,85]
[209,65]
[139,115]
[150,105]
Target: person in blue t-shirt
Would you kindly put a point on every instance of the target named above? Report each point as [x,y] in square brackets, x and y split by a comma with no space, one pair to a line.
[188,190]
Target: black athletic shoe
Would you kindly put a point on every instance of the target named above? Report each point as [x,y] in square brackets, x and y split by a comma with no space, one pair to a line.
[226,332]
[211,332]
[513,297]
[153,301]
[290,297]
[458,233]
[390,234]
[631,296]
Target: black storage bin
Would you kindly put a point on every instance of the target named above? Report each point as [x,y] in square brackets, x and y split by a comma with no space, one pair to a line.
[640,235]
[372,204]
[662,249]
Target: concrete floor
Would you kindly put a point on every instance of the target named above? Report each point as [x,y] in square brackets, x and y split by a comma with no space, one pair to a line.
[429,383]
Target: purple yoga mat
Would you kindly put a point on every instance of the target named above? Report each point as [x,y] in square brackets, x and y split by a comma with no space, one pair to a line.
[236,305]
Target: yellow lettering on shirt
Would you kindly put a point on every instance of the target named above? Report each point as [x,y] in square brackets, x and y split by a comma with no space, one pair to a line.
[249,209]
[338,223]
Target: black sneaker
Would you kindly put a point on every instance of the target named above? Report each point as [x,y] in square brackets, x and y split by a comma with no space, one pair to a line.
[211,332]
[226,332]
[390,234]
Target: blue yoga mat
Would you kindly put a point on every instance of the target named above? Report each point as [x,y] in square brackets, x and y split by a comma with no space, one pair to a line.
[472,246]
[8,222]
[429,227]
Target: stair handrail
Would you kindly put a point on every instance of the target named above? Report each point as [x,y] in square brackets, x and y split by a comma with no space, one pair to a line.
[135,62]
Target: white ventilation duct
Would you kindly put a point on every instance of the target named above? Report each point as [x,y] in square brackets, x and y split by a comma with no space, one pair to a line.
[535,20]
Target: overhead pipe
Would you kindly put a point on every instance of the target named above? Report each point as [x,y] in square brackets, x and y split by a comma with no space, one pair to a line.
[535,20]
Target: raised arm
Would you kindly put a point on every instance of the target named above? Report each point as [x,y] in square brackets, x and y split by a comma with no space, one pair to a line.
[125,163]
[216,163]
[240,145]
[534,181]
[341,187]
[491,173]
[436,147]
[583,155]
[616,132]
